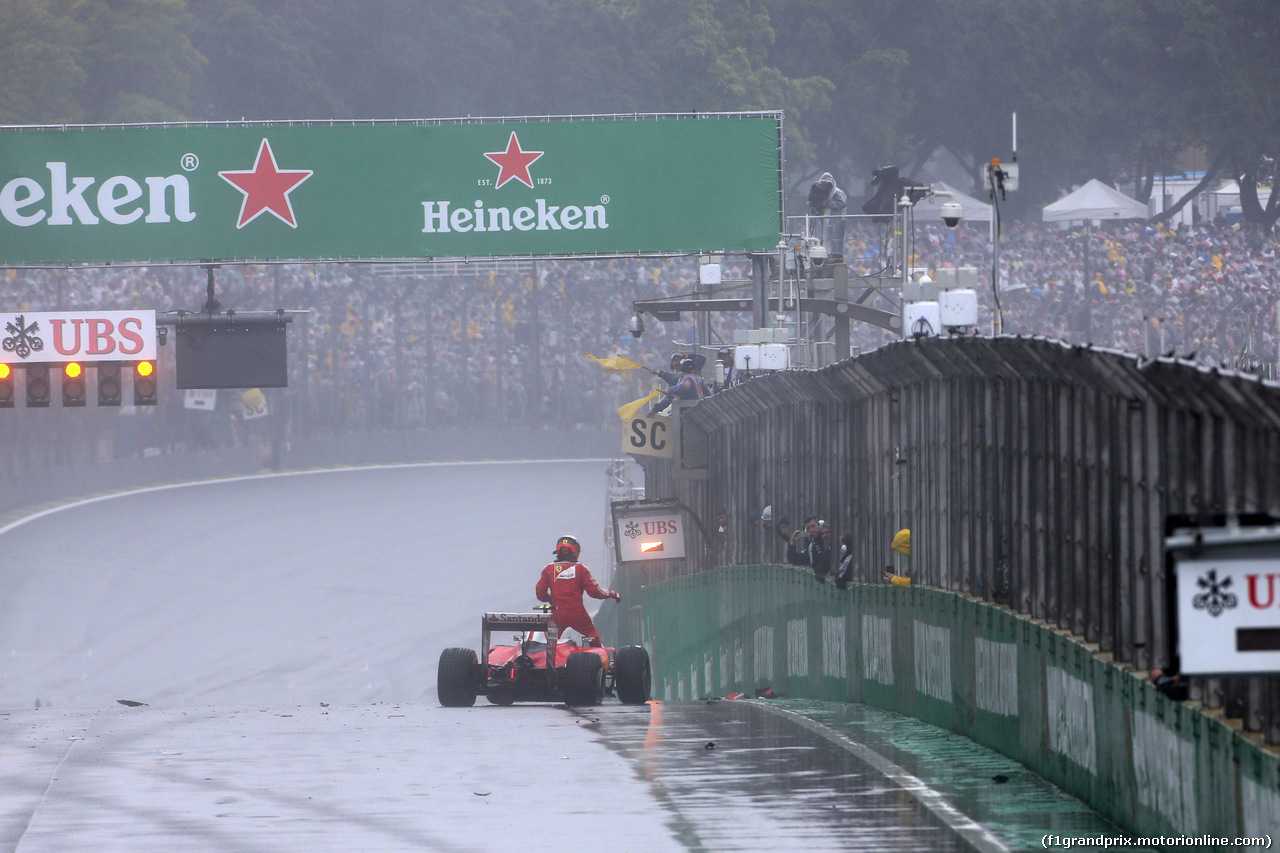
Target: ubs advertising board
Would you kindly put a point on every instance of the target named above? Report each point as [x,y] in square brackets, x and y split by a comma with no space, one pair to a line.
[42,337]
[648,532]
[593,185]
[1228,602]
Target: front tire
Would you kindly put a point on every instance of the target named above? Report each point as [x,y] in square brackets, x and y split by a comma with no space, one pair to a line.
[456,679]
[632,676]
[584,679]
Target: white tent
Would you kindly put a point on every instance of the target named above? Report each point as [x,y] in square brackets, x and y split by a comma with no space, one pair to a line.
[1094,200]
[1229,194]
[929,210]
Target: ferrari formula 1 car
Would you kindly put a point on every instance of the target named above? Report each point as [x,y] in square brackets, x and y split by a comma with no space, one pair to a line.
[519,672]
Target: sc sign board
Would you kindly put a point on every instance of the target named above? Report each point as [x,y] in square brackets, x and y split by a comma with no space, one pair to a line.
[648,437]
[1229,615]
[649,534]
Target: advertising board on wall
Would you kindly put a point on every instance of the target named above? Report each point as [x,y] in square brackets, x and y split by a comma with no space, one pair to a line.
[43,337]
[648,532]
[592,185]
[1228,601]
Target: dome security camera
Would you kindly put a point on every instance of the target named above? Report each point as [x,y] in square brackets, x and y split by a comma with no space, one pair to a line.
[952,213]
[636,326]
[817,254]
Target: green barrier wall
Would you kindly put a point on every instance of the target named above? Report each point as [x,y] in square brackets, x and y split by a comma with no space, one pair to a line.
[1151,765]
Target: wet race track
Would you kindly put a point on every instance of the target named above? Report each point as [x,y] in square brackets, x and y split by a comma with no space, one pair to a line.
[250,665]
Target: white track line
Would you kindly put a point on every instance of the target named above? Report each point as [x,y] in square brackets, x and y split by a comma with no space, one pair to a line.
[264,475]
[972,832]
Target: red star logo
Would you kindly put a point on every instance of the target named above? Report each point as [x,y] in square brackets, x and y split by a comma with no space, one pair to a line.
[514,163]
[266,188]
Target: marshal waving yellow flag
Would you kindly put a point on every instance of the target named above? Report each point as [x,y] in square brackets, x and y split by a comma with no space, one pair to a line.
[628,410]
[618,362]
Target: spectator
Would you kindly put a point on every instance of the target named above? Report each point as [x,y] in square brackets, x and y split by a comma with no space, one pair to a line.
[820,552]
[796,548]
[801,540]
[845,574]
[1171,683]
[473,349]
[720,534]
[902,544]
[896,580]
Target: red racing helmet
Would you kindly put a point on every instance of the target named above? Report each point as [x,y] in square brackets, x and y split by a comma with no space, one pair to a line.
[568,548]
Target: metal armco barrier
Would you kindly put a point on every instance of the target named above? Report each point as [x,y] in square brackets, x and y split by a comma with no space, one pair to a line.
[1152,765]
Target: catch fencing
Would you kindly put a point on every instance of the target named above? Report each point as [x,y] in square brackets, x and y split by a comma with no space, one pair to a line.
[1032,474]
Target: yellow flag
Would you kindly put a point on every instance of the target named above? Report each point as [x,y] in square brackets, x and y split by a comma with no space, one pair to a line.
[618,362]
[628,411]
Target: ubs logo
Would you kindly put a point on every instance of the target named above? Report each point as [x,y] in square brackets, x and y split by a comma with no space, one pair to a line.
[1215,597]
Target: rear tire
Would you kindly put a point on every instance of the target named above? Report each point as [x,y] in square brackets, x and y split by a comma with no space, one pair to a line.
[632,677]
[584,679]
[456,678]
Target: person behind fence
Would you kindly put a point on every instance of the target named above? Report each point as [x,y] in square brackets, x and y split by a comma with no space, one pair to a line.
[820,548]
[690,387]
[901,544]
[1171,683]
[844,576]
[720,536]
[797,553]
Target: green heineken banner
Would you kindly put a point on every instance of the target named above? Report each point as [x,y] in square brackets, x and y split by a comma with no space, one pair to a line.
[510,188]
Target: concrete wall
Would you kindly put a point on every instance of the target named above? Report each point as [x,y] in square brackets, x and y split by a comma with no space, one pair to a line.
[1102,732]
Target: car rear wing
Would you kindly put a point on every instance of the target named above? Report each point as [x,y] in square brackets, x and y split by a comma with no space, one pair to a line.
[516,621]
[491,622]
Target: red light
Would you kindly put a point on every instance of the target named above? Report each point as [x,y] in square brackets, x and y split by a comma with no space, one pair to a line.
[4,371]
[145,368]
[73,369]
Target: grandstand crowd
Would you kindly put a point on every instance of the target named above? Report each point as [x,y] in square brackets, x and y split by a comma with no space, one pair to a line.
[507,342]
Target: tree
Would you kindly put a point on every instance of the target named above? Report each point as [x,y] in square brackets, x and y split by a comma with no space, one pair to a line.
[860,124]
[265,61]
[1239,115]
[137,57]
[39,64]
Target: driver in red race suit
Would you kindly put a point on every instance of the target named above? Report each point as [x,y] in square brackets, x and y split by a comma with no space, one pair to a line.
[562,585]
